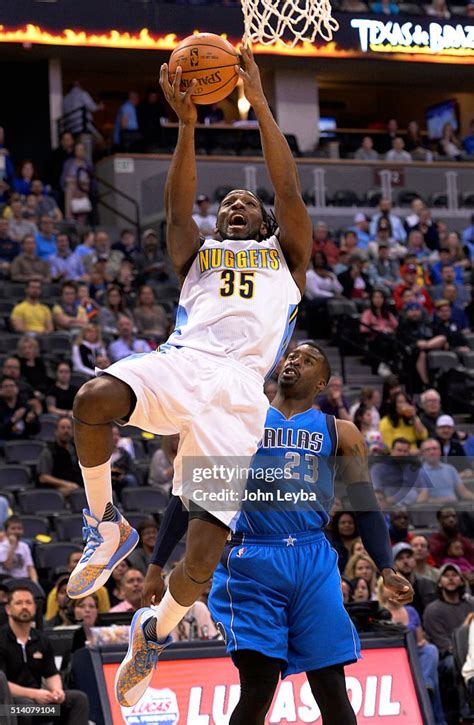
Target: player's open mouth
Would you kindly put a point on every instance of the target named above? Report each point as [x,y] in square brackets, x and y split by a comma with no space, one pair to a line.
[290,373]
[237,220]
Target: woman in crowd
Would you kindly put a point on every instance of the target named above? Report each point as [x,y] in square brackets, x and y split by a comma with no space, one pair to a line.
[76,184]
[114,307]
[86,349]
[162,462]
[379,325]
[150,317]
[449,145]
[141,556]
[427,653]
[113,583]
[363,420]
[342,532]
[371,398]
[391,387]
[85,612]
[460,255]
[22,181]
[357,547]
[402,421]
[361,590]
[68,313]
[33,369]
[362,566]
[321,286]
[347,590]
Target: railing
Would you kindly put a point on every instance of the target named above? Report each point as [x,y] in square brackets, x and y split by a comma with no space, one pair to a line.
[77,121]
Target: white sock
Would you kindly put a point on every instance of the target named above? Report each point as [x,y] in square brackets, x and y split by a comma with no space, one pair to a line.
[98,486]
[168,615]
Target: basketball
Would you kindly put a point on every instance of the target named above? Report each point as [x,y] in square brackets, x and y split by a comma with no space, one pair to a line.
[211,60]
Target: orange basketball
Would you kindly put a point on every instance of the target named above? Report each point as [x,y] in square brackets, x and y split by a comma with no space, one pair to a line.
[211,60]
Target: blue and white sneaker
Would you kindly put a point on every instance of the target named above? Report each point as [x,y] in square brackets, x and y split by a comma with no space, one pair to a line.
[107,544]
[134,674]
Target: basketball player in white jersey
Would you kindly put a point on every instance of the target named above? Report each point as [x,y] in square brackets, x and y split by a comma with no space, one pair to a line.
[237,309]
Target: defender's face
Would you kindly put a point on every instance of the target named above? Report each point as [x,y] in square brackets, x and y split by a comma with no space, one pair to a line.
[240,216]
[302,372]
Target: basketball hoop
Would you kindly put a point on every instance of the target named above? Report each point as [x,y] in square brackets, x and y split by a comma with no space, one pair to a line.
[269,21]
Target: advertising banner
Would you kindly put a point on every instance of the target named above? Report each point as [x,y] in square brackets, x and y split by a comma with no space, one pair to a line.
[205,691]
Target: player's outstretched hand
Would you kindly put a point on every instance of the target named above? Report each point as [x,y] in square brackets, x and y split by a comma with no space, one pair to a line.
[401,591]
[154,587]
[250,76]
[181,102]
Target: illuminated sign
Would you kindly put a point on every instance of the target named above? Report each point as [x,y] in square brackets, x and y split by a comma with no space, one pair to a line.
[389,36]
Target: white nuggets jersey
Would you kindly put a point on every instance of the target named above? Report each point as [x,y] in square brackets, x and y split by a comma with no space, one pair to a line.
[238,300]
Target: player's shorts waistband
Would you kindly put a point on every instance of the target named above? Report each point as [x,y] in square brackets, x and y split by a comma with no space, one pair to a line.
[216,359]
[296,538]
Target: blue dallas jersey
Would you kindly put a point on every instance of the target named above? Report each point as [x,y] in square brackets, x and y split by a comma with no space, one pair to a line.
[290,487]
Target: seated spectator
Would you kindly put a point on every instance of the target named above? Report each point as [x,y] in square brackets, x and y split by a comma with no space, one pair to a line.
[440,291]
[161,466]
[438,9]
[150,262]
[383,271]
[455,555]
[444,326]
[9,248]
[87,245]
[85,350]
[402,421]
[12,369]
[399,525]
[427,653]
[452,450]
[27,659]
[102,593]
[385,7]
[441,617]
[103,252]
[420,294]
[361,229]
[75,183]
[127,244]
[361,590]
[428,229]
[348,246]
[449,145]
[416,206]
[361,565]
[123,475]
[68,315]
[65,264]
[21,183]
[421,552]
[341,533]
[58,465]
[323,243]
[448,523]
[417,248]
[398,476]
[131,589]
[150,318]
[98,283]
[332,401]
[390,389]
[366,151]
[18,226]
[468,141]
[141,556]
[378,325]
[28,265]
[414,144]
[62,601]
[371,398]
[17,419]
[445,258]
[321,286]
[60,397]
[384,238]
[45,238]
[112,585]
[115,307]
[416,335]
[15,555]
[31,315]
[446,485]
[459,252]
[397,152]
[30,210]
[33,369]
[5,512]
[424,589]
[396,224]
[355,281]
[127,343]
[430,402]
[206,221]
[45,204]
[363,421]
[91,307]
[126,281]
[196,624]
[85,612]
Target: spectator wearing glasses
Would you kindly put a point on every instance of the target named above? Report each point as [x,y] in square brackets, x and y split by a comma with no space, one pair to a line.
[430,402]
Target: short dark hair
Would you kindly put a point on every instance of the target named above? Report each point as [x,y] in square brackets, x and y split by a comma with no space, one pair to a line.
[325,362]
[69,283]
[13,519]
[402,440]
[18,588]
[64,362]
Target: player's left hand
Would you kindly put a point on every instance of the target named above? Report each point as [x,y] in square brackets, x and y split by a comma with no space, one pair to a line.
[401,591]
[250,76]
[154,587]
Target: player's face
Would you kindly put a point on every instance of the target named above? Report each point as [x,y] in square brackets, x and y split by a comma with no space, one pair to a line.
[240,216]
[302,372]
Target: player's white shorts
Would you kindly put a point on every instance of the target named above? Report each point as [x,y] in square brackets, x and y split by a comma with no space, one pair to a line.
[217,405]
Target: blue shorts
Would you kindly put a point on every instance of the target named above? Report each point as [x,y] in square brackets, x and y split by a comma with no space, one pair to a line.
[282,596]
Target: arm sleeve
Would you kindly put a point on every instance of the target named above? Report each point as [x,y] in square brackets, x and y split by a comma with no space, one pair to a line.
[172,529]
[371,524]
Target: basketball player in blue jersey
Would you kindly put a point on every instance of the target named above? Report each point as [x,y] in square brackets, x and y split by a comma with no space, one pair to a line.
[276,594]
[237,308]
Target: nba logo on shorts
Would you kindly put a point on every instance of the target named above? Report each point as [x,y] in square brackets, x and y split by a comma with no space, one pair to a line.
[241,552]
[194,57]
[157,707]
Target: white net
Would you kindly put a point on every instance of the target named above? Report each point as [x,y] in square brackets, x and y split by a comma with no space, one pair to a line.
[287,21]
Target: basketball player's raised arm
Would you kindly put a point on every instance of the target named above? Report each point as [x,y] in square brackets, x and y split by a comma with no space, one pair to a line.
[353,471]
[292,216]
[182,233]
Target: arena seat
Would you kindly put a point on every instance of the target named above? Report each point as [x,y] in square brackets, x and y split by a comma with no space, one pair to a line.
[438,200]
[52,556]
[8,342]
[47,432]
[373,197]
[56,342]
[345,197]
[42,501]
[468,359]
[135,518]
[26,452]
[35,526]
[77,501]
[144,499]
[15,478]
[68,526]
[78,379]
[220,192]
[467,199]
[405,198]
[337,308]
[442,360]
